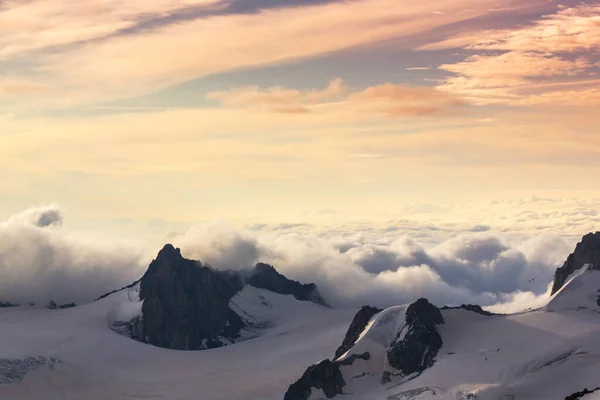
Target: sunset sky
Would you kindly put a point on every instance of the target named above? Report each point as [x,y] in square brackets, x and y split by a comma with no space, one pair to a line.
[133,114]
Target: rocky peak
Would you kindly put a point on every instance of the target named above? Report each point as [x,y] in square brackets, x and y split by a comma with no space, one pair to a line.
[417,349]
[186,304]
[358,325]
[586,252]
[265,276]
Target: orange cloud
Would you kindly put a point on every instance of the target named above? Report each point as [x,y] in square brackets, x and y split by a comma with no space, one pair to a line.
[129,65]
[10,86]
[568,30]
[530,59]
[39,24]
[390,99]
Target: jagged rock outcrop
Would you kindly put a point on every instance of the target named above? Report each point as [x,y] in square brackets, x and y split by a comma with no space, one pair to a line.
[417,349]
[325,375]
[580,395]
[265,276]
[586,252]
[414,349]
[470,307]
[186,304]
[118,290]
[53,306]
[358,325]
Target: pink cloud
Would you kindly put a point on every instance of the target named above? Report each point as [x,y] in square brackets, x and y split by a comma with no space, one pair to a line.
[389,99]
[528,60]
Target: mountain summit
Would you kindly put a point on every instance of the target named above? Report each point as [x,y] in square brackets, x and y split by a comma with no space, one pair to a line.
[190,306]
[587,252]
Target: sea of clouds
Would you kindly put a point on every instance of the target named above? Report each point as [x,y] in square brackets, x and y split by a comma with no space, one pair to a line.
[41,260]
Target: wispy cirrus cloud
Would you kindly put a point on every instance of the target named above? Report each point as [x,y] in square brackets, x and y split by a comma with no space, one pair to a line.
[84,51]
[41,24]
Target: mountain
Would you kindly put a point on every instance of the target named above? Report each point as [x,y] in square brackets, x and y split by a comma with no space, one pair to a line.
[587,252]
[287,345]
[420,352]
[186,305]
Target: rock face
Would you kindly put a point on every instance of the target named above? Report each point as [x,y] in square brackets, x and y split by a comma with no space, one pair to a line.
[470,307]
[586,252]
[580,395]
[358,325]
[325,375]
[416,351]
[186,305]
[264,276]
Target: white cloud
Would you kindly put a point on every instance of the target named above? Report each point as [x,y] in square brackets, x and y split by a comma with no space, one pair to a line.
[40,261]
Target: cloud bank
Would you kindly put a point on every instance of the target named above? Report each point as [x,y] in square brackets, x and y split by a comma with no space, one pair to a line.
[40,261]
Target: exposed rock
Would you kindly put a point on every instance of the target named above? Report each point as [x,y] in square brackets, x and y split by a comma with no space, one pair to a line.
[579,395]
[358,325]
[470,307]
[265,276]
[14,370]
[586,252]
[416,351]
[133,329]
[325,375]
[186,304]
[118,290]
[53,306]
[7,304]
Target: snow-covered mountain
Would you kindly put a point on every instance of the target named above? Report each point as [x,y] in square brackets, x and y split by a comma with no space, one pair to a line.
[422,352]
[260,331]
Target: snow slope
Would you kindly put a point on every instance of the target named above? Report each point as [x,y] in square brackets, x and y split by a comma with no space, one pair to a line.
[543,354]
[73,354]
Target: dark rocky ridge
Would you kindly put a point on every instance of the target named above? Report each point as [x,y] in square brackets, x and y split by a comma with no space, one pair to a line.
[360,321]
[580,395]
[470,307]
[421,343]
[325,375]
[412,354]
[53,306]
[586,252]
[186,303]
[118,290]
[265,276]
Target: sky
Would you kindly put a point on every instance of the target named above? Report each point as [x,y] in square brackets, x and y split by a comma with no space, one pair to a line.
[382,120]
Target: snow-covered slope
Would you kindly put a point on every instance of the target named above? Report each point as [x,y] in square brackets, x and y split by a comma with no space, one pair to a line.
[411,352]
[74,354]
[543,354]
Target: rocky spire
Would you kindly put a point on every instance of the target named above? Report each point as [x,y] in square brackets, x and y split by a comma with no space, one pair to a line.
[586,252]
[186,304]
